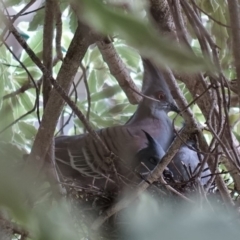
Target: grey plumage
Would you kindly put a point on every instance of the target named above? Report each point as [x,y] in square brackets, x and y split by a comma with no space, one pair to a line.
[150,114]
[150,156]
[87,166]
[154,85]
[186,164]
[84,155]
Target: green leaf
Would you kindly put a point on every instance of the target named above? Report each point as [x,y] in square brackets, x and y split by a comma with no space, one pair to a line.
[220,32]
[11,152]
[2,83]
[92,82]
[106,93]
[209,6]
[37,21]
[35,43]
[27,129]
[94,54]
[237,136]
[7,117]
[63,5]
[73,23]
[26,101]
[141,35]
[103,76]
[116,109]
[11,3]
[128,54]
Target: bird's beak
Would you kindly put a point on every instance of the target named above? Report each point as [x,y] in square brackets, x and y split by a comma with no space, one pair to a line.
[174,108]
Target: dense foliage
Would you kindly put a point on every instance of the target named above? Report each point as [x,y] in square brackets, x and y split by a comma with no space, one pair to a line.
[33,205]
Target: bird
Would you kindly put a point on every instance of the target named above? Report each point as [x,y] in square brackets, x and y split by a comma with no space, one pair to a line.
[186,164]
[75,162]
[150,114]
[149,157]
[154,84]
[87,157]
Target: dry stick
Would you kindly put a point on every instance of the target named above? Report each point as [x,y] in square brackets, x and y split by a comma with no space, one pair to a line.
[118,70]
[126,200]
[201,27]
[170,188]
[216,60]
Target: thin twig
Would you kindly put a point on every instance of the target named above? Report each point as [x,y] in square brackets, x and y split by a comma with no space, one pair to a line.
[87,89]
[22,89]
[209,16]
[36,104]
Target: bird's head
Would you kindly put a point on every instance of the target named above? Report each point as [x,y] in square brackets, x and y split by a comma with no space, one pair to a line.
[155,86]
[149,156]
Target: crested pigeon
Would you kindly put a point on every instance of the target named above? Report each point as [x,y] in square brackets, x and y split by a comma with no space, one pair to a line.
[85,156]
[154,80]
[76,162]
[186,163]
[150,114]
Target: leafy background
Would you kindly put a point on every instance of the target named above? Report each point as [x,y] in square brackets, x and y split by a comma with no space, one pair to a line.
[109,105]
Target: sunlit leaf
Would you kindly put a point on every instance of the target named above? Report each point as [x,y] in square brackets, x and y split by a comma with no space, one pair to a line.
[28,130]
[73,21]
[7,117]
[130,55]
[35,43]
[37,20]
[92,82]
[209,6]
[106,93]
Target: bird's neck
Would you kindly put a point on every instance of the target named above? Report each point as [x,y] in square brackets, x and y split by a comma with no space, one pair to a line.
[147,112]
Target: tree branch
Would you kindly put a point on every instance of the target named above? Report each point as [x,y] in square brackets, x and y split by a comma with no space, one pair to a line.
[119,70]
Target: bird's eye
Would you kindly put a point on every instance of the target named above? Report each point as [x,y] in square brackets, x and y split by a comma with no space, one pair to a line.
[160,95]
[152,160]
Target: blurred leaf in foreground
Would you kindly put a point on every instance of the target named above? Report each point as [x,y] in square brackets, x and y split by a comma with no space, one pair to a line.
[141,35]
